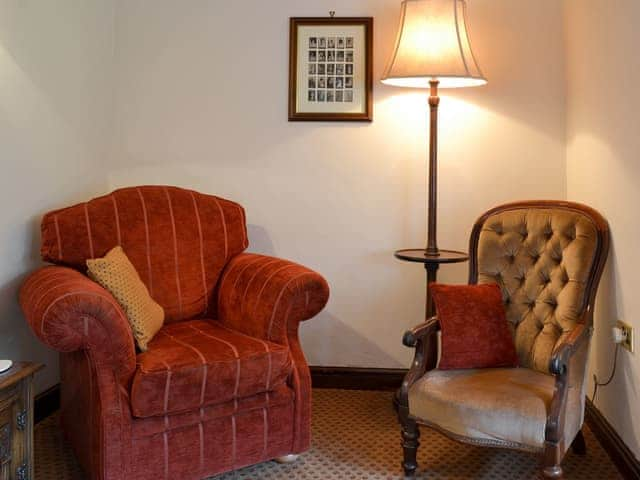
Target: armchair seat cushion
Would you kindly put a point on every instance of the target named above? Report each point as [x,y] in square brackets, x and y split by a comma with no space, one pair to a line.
[197,363]
[495,406]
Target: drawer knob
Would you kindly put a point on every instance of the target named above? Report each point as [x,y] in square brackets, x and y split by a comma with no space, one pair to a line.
[21,472]
[21,420]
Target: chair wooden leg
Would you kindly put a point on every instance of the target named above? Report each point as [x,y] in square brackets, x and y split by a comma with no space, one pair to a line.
[552,459]
[578,446]
[553,471]
[410,444]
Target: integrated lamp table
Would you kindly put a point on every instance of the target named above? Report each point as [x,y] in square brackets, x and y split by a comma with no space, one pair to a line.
[431,264]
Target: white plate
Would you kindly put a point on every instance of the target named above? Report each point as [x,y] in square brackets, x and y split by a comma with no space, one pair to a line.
[5,365]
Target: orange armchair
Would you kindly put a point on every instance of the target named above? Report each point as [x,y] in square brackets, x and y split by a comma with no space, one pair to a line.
[224,384]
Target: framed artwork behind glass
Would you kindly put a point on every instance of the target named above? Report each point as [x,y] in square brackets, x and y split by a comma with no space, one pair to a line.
[331,69]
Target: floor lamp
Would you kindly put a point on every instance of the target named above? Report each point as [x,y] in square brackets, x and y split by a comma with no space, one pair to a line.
[433,51]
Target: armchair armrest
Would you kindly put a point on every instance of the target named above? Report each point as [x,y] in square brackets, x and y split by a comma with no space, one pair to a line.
[568,365]
[419,332]
[423,338]
[267,297]
[67,311]
[561,356]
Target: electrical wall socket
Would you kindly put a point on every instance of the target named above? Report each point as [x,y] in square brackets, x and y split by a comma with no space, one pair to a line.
[628,335]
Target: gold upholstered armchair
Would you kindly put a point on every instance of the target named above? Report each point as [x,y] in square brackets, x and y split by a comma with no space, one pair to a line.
[547,257]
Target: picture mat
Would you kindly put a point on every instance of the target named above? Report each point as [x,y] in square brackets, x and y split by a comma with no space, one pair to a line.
[358,32]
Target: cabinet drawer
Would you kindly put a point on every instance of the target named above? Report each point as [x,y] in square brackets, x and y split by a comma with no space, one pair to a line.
[16,421]
[5,446]
[12,435]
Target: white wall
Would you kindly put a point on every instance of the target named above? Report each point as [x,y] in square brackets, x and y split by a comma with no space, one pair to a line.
[603,170]
[196,92]
[201,101]
[55,120]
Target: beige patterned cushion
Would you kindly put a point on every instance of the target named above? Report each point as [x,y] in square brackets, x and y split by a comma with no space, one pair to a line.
[118,275]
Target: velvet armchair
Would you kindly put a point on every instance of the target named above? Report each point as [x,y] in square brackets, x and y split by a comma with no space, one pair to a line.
[224,384]
[547,257]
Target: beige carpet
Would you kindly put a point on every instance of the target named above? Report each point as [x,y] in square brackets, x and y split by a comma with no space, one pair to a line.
[356,436]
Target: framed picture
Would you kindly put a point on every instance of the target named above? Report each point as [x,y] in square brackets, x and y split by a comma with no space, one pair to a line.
[331,69]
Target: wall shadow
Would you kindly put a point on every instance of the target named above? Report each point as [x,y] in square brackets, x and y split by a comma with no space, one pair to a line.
[260,241]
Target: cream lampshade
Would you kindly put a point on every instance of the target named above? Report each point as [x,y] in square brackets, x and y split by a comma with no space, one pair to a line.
[433,44]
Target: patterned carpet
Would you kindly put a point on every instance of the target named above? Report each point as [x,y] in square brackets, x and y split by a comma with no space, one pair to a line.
[356,436]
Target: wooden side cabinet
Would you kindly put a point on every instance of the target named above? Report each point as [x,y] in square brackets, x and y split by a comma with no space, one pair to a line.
[16,421]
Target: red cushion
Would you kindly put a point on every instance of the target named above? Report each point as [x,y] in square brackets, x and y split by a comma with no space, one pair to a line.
[475,332]
[195,363]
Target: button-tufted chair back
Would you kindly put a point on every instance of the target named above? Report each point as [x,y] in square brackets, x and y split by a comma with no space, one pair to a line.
[547,257]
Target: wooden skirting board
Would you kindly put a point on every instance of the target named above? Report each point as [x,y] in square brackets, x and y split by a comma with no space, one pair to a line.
[348,378]
[46,403]
[620,454]
[389,379]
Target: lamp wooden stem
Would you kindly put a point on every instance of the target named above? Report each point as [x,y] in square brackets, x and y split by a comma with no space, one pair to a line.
[432,217]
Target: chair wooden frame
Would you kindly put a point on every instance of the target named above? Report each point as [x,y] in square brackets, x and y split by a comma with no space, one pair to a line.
[424,339]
